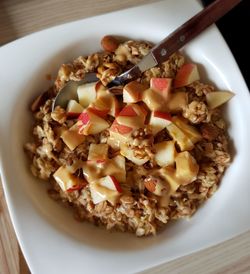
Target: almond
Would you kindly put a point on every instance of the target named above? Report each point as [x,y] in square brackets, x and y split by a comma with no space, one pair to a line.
[109,43]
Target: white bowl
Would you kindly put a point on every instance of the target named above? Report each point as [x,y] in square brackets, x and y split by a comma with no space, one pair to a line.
[52,241]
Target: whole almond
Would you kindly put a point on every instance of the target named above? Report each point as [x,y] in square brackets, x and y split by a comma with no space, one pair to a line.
[109,43]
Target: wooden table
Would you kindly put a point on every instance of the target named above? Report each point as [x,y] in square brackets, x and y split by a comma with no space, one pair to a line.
[21,17]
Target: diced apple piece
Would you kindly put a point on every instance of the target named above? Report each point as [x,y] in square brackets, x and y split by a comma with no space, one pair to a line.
[159,120]
[111,183]
[192,133]
[98,112]
[131,116]
[130,121]
[115,139]
[92,170]
[180,137]
[89,123]
[129,154]
[120,173]
[86,94]
[165,153]
[67,181]
[74,109]
[72,138]
[129,111]
[169,173]
[152,99]
[186,167]
[177,101]
[98,152]
[107,102]
[156,185]
[217,98]
[99,108]
[162,86]
[97,193]
[114,107]
[122,129]
[132,92]
[141,111]
[105,188]
[186,75]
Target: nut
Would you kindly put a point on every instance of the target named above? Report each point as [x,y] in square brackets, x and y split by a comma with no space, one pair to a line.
[109,43]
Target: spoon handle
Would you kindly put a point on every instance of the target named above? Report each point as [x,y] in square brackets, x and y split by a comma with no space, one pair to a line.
[192,28]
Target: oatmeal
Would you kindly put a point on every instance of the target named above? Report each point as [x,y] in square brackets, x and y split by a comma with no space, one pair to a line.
[132,162]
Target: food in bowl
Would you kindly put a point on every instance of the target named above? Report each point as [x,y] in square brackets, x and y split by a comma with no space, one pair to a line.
[132,162]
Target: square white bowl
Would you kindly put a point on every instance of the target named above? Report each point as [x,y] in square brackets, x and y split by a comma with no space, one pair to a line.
[52,241]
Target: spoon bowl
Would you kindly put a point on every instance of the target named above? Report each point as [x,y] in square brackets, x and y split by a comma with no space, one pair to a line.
[69,91]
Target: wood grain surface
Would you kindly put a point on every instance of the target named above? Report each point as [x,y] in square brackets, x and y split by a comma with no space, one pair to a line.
[22,17]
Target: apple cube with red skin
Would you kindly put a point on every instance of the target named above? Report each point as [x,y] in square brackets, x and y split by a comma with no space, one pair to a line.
[186,75]
[159,120]
[108,103]
[165,153]
[89,123]
[98,112]
[72,138]
[67,181]
[105,189]
[218,98]
[98,152]
[74,109]
[86,94]
[132,92]
[132,115]
[162,86]
[186,167]
[116,127]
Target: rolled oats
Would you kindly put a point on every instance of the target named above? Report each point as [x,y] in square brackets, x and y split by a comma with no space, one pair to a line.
[138,210]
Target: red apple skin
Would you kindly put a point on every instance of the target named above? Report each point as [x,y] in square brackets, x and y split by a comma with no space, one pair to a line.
[116,127]
[84,118]
[96,161]
[182,77]
[128,111]
[98,112]
[116,183]
[163,115]
[77,187]
[160,84]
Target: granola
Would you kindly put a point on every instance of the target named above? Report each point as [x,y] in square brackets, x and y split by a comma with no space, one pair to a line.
[131,164]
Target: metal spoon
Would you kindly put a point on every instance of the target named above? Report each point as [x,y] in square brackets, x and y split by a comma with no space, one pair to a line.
[159,53]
